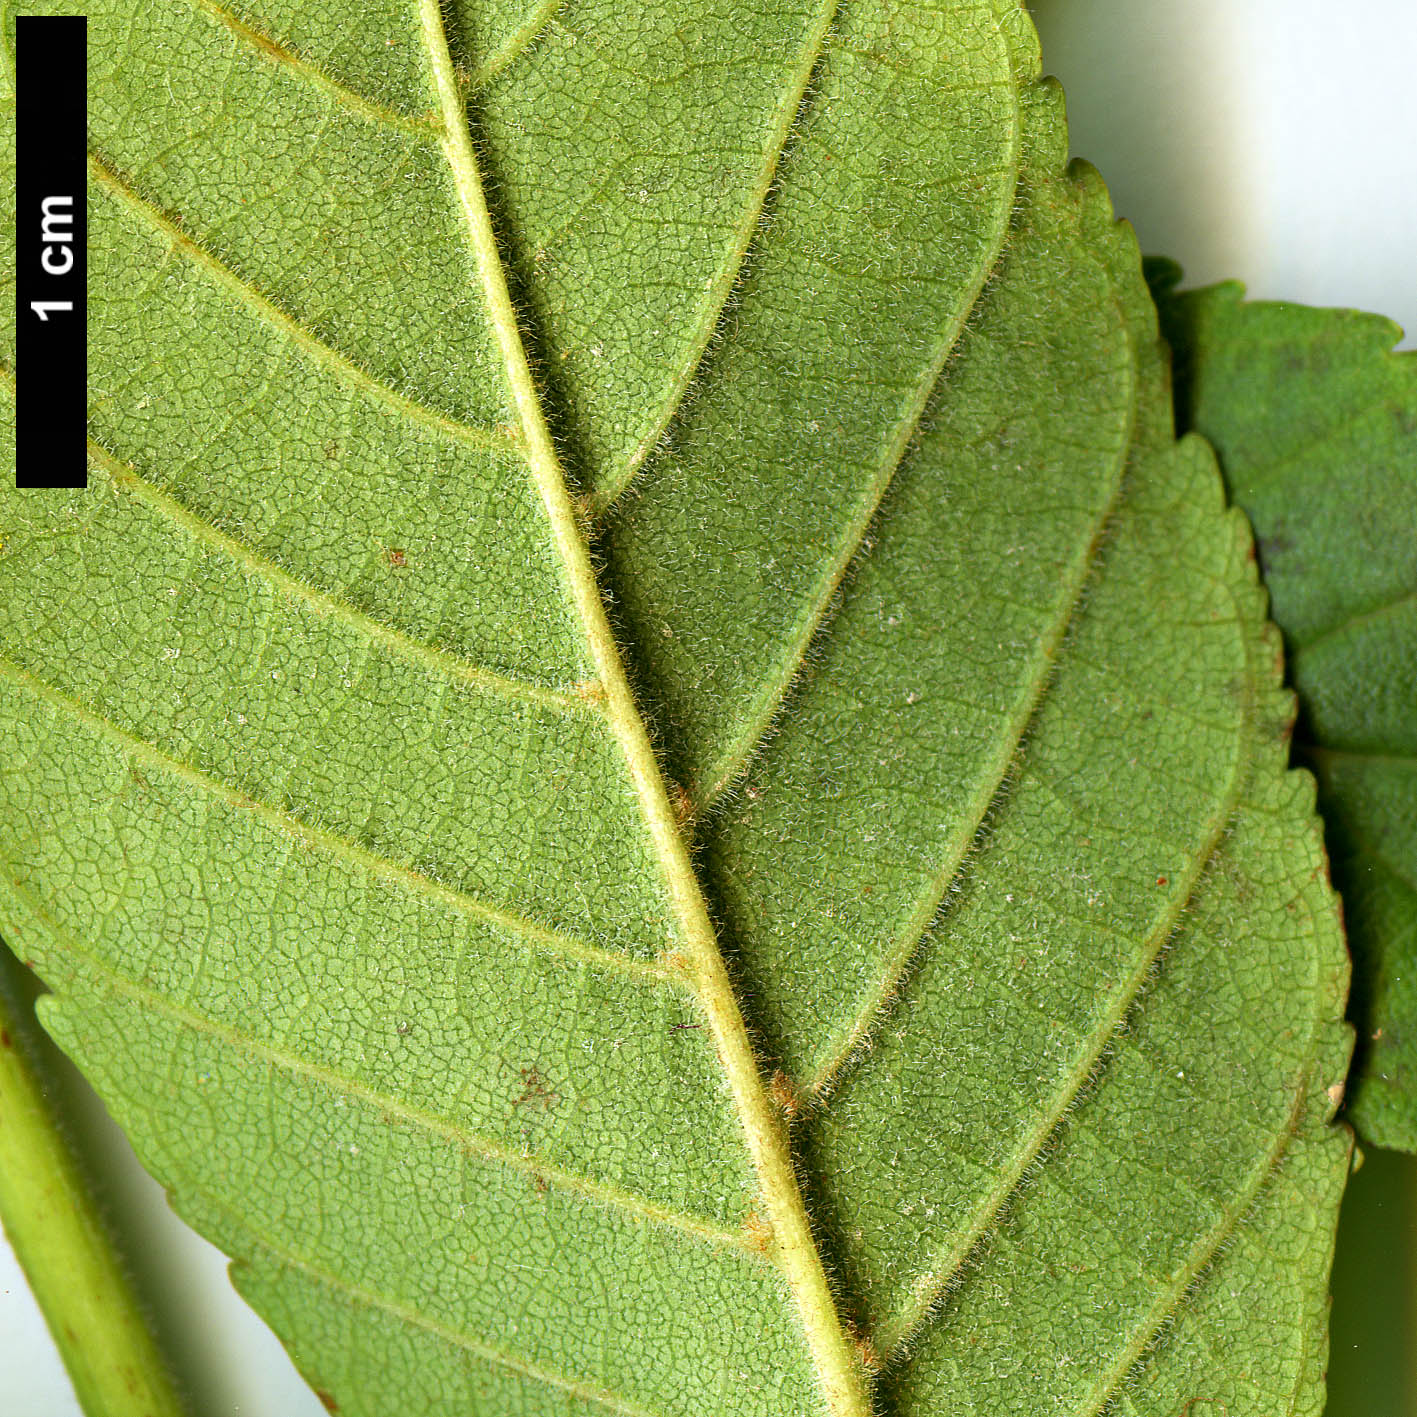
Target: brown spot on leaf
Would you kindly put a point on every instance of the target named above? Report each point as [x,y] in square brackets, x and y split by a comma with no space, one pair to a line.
[783,1093]
[534,1089]
[5,1039]
[758,1233]
[682,803]
[1276,545]
[326,1400]
[396,556]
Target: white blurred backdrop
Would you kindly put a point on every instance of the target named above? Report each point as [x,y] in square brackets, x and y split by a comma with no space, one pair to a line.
[1270,140]
[1273,141]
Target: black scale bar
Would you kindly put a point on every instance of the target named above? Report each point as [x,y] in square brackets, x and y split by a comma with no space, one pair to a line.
[51,250]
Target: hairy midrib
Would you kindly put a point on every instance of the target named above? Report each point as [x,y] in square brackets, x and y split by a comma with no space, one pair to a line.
[839,1373]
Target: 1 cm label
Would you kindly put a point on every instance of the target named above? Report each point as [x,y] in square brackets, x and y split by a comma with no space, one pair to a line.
[56,257]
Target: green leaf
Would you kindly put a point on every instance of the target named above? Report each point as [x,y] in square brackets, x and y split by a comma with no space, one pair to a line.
[922,990]
[1315,421]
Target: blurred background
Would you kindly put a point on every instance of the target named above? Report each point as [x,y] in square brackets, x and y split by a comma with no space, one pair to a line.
[1274,141]
[1270,141]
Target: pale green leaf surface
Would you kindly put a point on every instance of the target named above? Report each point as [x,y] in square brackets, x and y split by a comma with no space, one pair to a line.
[1315,420]
[325,813]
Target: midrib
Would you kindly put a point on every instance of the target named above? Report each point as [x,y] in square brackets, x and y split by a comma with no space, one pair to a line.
[839,1374]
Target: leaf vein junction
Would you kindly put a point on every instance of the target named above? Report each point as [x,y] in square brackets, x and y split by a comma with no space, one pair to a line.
[840,1374]
[441,662]
[472,1143]
[421,125]
[329,358]
[537,936]
[517,43]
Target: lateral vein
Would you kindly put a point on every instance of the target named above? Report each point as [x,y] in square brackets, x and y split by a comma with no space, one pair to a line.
[517,43]
[422,125]
[944,1266]
[438,661]
[842,1379]
[1356,621]
[716,296]
[1200,1255]
[405,1313]
[333,844]
[325,355]
[720,775]
[475,1144]
[840,1050]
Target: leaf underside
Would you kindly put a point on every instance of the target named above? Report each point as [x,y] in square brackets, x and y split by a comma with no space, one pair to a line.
[320,823]
[1315,420]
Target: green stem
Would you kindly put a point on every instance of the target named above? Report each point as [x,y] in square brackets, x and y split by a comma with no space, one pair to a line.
[54,1224]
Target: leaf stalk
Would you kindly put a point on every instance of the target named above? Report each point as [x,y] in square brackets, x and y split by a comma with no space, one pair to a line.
[64,1245]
